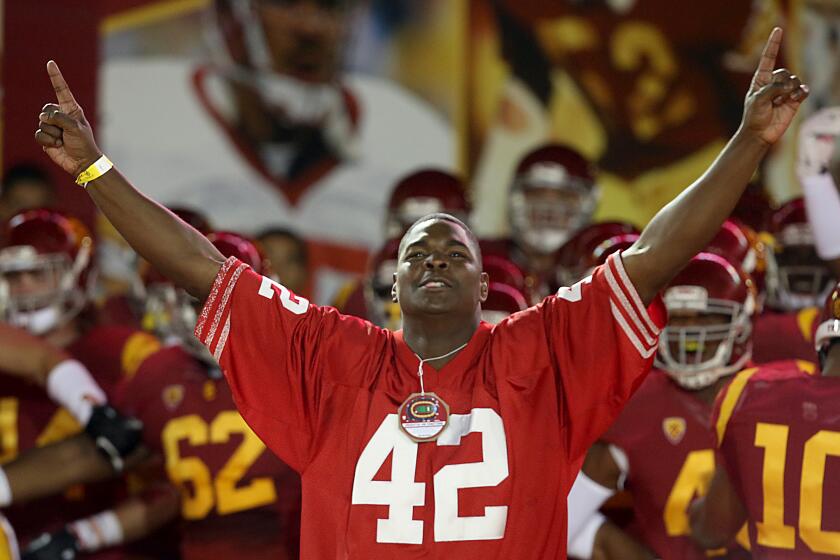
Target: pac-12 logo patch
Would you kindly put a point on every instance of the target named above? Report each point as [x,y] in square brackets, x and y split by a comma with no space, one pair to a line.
[172,396]
[674,429]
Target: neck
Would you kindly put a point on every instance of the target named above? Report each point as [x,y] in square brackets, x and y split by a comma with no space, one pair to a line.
[708,394]
[429,337]
[831,366]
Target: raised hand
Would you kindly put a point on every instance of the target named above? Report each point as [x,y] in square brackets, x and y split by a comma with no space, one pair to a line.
[774,95]
[64,132]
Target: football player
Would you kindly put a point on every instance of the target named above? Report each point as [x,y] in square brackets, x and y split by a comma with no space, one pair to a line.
[796,281]
[649,99]
[273,131]
[778,438]
[386,428]
[552,197]
[661,449]
[237,499]
[25,187]
[44,275]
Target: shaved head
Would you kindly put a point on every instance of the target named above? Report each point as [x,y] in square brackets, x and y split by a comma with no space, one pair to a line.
[441,216]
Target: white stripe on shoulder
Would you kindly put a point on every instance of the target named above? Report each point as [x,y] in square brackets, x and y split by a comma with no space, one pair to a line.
[223,336]
[634,295]
[211,298]
[631,336]
[220,309]
[619,294]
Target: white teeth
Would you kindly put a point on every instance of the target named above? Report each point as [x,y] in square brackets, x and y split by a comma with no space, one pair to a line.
[435,284]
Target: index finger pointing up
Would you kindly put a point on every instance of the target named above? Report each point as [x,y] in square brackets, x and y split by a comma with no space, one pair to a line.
[767,63]
[62,90]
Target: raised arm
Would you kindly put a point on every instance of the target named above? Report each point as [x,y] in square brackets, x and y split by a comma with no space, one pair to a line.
[688,223]
[718,516]
[174,248]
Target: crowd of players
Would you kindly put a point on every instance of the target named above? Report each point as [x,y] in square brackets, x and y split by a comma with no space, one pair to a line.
[120,438]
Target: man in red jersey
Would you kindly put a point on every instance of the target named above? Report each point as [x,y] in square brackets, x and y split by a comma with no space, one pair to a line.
[778,438]
[473,454]
[660,449]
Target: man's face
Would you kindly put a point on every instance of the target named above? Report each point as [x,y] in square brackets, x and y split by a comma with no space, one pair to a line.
[33,286]
[27,195]
[439,272]
[703,334]
[286,262]
[304,37]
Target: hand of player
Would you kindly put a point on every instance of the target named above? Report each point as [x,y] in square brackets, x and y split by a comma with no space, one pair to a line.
[817,138]
[774,95]
[63,131]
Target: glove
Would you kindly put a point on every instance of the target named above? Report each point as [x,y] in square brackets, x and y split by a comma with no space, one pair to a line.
[116,436]
[61,545]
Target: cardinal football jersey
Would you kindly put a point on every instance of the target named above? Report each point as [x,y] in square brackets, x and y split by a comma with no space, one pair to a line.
[238,499]
[778,430]
[785,336]
[526,398]
[28,418]
[664,432]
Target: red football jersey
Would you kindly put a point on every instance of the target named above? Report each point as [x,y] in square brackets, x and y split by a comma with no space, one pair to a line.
[665,433]
[28,418]
[785,336]
[527,397]
[778,430]
[238,499]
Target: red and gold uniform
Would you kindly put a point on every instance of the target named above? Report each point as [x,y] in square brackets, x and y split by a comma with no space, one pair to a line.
[28,418]
[664,433]
[784,336]
[778,434]
[238,499]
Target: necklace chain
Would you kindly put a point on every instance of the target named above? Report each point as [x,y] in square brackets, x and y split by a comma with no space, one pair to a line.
[424,360]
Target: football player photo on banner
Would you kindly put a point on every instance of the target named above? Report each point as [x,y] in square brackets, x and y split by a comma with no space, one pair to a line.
[647,97]
[265,114]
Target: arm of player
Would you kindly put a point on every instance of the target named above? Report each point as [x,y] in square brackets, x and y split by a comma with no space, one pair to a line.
[45,471]
[28,356]
[597,481]
[133,519]
[611,543]
[174,248]
[688,223]
[718,516]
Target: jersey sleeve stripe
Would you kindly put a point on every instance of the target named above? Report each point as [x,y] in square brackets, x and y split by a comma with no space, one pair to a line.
[628,308]
[211,299]
[220,345]
[730,400]
[644,351]
[223,304]
[616,262]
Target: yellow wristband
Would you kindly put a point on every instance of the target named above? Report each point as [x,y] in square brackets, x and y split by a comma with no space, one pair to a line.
[96,170]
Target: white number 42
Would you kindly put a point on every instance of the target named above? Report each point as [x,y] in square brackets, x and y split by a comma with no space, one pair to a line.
[401,494]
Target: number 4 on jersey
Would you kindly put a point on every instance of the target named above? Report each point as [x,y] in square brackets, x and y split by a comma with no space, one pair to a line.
[402,494]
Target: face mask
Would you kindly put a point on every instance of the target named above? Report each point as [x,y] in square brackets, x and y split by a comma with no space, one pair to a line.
[37,322]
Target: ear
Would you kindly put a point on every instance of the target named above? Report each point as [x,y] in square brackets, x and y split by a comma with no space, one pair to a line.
[394,290]
[484,286]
